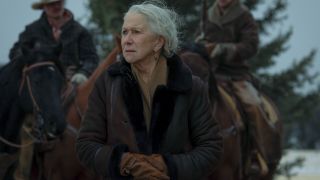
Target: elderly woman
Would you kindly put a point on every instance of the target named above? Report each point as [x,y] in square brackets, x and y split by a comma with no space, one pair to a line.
[148,117]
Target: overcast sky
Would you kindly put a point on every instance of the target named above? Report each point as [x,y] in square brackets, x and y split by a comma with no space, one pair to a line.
[303,16]
[16,14]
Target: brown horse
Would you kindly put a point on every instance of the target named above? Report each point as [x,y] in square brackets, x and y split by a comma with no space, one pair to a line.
[60,161]
[234,130]
[79,105]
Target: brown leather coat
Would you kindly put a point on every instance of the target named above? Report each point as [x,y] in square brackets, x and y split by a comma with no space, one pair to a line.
[182,126]
[237,28]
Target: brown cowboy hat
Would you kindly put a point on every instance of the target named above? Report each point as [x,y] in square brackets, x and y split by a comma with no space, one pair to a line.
[41,3]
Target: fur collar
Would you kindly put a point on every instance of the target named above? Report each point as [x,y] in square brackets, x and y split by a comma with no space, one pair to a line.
[164,100]
[179,77]
[235,10]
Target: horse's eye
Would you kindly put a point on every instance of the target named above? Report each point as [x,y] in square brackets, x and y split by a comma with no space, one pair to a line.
[37,81]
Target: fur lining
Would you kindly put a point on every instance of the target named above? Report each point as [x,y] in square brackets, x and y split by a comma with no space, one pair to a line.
[179,81]
[162,111]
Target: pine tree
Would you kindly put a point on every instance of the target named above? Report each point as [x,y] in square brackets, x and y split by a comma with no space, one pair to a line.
[297,108]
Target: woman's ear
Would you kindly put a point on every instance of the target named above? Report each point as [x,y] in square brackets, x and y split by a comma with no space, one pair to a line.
[159,44]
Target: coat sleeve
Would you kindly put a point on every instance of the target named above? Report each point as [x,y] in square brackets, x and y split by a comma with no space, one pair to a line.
[87,53]
[247,43]
[205,138]
[15,51]
[91,146]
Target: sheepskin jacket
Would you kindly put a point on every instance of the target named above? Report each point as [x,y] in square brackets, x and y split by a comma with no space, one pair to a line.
[182,129]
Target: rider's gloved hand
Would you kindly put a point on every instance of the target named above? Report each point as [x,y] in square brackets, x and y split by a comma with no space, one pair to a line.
[79,78]
[223,52]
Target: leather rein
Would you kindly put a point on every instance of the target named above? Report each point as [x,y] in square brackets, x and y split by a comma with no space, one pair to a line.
[37,110]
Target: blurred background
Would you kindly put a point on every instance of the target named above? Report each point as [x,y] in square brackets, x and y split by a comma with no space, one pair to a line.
[287,64]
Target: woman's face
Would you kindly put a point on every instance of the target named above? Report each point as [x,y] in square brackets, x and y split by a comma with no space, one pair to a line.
[54,9]
[139,44]
[224,3]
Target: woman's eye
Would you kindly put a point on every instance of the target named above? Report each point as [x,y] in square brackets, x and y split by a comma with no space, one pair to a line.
[136,31]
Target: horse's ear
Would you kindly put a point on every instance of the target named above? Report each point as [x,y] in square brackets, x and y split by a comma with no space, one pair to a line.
[118,41]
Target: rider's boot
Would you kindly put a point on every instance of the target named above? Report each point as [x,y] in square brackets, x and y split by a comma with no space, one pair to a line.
[250,102]
[256,164]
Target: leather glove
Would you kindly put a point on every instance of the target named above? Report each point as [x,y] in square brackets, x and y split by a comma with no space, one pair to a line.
[223,51]
[157,161]
[217,51]
[143,167]
[210,47]
[79,78]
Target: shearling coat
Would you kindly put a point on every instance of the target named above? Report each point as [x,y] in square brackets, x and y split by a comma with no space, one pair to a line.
[182,128]
[237,28]
[77,45]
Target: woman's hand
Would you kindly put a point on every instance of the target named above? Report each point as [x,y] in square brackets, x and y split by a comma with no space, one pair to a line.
[143,167]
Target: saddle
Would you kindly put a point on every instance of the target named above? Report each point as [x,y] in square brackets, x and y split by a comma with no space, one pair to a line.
[267,105]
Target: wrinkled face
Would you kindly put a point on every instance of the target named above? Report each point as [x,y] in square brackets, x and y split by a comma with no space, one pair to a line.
[224,3]
[138,42]
[54,9]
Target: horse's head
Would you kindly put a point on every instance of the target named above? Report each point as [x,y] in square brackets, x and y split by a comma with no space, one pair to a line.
[197,59]
[41,86]
[196,56]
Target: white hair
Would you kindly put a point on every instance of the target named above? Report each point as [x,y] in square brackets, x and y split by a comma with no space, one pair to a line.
[162,21]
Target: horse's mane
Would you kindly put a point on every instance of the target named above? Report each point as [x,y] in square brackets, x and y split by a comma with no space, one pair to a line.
[10,76]
[111,58]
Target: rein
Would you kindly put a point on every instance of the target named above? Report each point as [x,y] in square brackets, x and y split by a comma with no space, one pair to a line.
[34,139]
[25,78]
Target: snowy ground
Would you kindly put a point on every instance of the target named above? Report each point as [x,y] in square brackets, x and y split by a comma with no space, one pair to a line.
[310,169]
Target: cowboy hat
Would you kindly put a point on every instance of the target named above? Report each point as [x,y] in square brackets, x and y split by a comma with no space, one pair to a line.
[41,3]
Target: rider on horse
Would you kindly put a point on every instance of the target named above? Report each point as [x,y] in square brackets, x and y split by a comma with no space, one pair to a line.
[57,26]
[230,34]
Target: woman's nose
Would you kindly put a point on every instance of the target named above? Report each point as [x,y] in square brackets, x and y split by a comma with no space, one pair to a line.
[127,39]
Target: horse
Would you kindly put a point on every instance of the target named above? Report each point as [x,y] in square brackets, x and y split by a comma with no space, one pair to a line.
[30,107]
[61,162]
[225,111]
[231,119]
[80,102]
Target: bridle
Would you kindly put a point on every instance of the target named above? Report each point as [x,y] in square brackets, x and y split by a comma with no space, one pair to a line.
[36,133]
[26,78]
